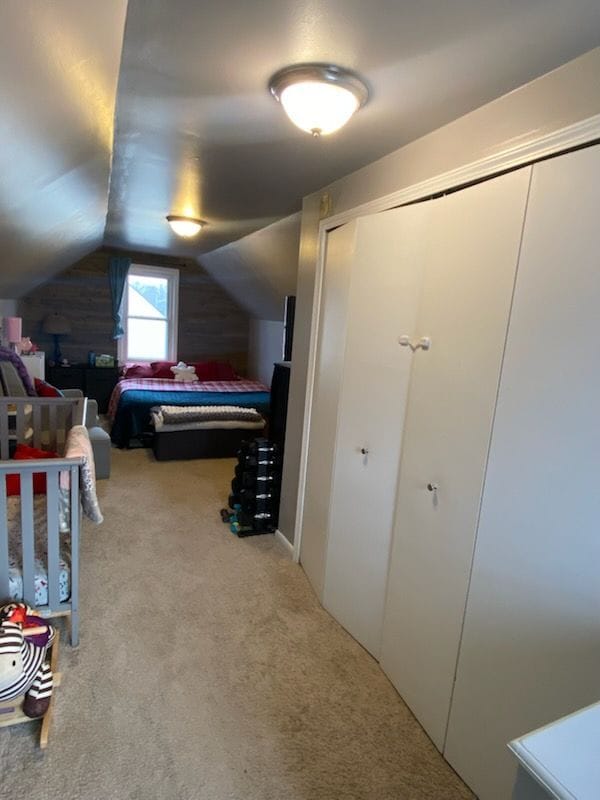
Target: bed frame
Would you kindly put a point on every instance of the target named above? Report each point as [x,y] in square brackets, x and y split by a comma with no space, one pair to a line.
[43,423]
[201,443]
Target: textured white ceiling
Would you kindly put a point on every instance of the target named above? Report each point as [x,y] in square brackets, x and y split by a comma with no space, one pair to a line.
[195,130]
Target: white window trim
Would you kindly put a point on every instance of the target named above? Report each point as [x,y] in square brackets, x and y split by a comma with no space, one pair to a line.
[172,275]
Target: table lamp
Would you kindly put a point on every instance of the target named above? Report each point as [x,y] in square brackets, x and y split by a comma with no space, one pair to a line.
[56,326]
[13,330]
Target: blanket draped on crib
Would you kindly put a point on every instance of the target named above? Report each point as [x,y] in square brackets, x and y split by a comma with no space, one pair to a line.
[78,445]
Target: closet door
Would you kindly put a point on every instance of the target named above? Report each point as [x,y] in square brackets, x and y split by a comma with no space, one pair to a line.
[474,237]
[530,650]
[382,304]
[326,391]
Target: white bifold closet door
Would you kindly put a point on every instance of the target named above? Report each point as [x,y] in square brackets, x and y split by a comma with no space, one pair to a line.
[326,390]
[384,271]
[473,245]
[530,650]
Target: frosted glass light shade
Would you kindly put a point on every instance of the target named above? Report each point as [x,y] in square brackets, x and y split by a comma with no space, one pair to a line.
[318,108]
[318,98]
[185,226]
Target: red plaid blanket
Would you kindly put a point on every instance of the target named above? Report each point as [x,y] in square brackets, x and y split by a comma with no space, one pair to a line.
[170,385]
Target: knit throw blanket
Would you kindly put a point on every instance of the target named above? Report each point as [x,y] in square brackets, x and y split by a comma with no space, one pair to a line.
[78,445]
[176,415]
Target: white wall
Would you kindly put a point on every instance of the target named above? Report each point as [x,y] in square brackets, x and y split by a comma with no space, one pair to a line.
[265,347]
[560,98]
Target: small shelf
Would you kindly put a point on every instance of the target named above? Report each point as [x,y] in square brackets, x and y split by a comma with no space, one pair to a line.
[562,757]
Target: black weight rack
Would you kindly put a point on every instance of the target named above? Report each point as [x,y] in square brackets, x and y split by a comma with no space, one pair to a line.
[255,489]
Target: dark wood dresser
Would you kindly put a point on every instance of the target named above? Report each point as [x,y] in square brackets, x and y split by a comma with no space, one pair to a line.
[95,382]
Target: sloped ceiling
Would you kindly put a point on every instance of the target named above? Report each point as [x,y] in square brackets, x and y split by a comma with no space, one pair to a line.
[196,131]
[59,65]
[260,269]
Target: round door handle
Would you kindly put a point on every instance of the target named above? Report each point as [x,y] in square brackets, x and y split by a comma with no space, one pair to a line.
[364,450]
[432,487]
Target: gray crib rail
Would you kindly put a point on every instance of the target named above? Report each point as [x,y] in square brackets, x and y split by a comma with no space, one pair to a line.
[44,423]
[52,469]
[38,421]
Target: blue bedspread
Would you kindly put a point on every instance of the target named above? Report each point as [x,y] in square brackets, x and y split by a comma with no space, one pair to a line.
[133,412]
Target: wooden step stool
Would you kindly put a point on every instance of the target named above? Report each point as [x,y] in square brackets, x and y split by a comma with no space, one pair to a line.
[11,711]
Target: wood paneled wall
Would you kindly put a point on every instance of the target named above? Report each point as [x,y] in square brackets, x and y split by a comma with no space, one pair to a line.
[210,323]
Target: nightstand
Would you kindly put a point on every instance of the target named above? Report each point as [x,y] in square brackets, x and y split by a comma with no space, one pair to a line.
[95,382]
[99,383]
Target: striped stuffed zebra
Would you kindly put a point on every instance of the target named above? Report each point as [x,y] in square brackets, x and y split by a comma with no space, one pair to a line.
[23,666]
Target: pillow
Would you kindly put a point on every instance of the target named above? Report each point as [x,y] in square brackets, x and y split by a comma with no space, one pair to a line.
[139,371]
[205,371]
[215,371]
[225,372]
[25,453]
[162,369]
[45,389]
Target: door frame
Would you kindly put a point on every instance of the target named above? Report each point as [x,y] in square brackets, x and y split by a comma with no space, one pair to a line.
[580,134]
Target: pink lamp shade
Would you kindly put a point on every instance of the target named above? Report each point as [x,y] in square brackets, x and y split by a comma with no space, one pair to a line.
[13,329]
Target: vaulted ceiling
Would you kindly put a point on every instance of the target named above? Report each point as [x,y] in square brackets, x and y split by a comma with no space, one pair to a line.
[59,66]
[195,131]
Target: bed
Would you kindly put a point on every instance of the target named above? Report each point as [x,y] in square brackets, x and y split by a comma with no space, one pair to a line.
[132,399]
[182,432]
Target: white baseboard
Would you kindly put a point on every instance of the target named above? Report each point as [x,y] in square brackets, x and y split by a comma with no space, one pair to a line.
[288,546]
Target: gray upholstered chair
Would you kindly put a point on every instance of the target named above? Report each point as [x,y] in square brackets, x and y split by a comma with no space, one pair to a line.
[12,386]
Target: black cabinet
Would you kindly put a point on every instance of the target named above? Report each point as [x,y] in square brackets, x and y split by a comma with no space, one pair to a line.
[66,377]
[95,382]
[280,386]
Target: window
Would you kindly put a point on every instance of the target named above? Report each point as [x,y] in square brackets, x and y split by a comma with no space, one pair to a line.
[149,314]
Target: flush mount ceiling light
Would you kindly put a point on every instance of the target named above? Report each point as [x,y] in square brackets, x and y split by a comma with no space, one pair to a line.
[185,226]
[318,98]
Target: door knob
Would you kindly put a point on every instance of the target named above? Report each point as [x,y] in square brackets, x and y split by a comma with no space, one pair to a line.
[364,450]
[424,343]
[432,487]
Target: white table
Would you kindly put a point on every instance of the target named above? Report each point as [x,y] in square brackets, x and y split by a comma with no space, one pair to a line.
[35,364]
[563,758]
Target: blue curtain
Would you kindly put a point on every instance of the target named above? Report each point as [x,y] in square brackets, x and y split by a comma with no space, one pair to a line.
[118,267]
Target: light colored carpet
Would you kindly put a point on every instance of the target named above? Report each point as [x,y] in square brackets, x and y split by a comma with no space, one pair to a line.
[208,671]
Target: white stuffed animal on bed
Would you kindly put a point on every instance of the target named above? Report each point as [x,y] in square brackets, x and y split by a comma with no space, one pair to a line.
[183,372]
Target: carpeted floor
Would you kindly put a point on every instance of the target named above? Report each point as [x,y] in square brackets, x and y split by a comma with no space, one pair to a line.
[208,671]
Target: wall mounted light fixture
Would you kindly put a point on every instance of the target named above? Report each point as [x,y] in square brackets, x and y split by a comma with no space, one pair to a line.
[318,98]
[185,226]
